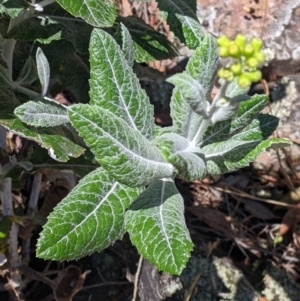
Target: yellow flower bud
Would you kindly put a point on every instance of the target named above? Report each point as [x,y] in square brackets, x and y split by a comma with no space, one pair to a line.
[223,41]
[223,52]
[234,50]
[244,81]
[240,40]
[248,50]
[236,68]
[257,44]
[259,56]
[252,62]
[254,76]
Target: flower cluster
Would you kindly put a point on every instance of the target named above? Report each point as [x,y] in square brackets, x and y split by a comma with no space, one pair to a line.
[245,58]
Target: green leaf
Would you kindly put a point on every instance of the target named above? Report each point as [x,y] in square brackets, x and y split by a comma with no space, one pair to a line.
[127,45]
[54,29]
[219,149]
[119,148]
[33,29]
[225,129]
[42,113]
[81,166]
[115,87]
[169,143]
[243,155]
[188,159]
[59,147]
[183,21]
[193,92]
[88,220]
[57,140]
[191,165]
[149,44]
[12,7]
[234,89]
[156,225]
[97,13]
[28,74]
[225,109]
[260,128]
[43,70]
[201,67]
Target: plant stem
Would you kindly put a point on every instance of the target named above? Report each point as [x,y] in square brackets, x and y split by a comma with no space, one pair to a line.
[58,18]
[26,91]
[206,122]
[218,96]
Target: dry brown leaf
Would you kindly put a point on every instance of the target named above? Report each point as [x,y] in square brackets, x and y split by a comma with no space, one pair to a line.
[69,283]
[258,210]
[215,219]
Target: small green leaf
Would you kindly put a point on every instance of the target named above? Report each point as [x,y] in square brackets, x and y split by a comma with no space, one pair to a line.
[156,225]
[219,149]
[61,141]
[115,87]
[42,113]
[127,45]
[224,110]
[183,21]
[201,67]
[59,147]
[149,44]
[225,129]
[120,149]
[78,33]
[243,155]
[43,70]
[97,13]
[260,128]
[234,89]
[191,165]
[169,143]
[192,91]
[88,220]
[188,159]
[12,7]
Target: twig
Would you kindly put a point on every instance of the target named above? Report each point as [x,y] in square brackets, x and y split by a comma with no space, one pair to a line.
[137,277]
[32,209]
[146,13]
[34,275]
[7,209]
[105,284]
[190,290]
[3,138]
[249,196]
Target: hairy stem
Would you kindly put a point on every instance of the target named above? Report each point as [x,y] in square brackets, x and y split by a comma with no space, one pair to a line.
[206,122]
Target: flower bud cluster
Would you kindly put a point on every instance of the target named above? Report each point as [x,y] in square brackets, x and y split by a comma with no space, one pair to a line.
[245,56]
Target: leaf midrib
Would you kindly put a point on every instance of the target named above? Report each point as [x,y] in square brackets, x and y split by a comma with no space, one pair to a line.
[115,80]
[166,165]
